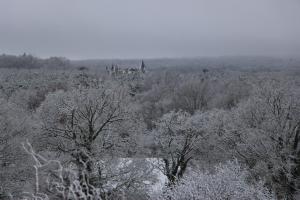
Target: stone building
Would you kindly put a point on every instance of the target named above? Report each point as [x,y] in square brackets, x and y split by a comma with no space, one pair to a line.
[116,70]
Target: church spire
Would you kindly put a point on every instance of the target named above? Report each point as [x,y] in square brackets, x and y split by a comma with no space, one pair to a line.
[143,66]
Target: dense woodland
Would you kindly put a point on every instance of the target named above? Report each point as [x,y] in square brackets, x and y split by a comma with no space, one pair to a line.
[209,129]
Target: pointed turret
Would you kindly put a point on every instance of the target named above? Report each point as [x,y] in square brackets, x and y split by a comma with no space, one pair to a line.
[143,67]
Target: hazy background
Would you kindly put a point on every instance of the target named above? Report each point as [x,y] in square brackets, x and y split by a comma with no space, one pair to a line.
[81,29]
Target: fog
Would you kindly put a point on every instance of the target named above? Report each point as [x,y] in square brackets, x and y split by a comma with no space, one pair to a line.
[144,29]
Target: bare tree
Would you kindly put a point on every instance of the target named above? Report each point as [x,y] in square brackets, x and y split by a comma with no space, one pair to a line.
[82,123]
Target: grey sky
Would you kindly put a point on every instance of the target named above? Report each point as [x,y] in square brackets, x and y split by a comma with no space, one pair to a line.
[149,28]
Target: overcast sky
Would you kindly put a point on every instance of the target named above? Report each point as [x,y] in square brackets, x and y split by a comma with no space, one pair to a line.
[80,29]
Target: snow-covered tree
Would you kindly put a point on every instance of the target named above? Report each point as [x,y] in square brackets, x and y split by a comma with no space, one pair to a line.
[177,138]
[267,129]
[15,126]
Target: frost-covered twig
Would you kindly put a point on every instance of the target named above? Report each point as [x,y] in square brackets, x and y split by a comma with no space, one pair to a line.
[59,181]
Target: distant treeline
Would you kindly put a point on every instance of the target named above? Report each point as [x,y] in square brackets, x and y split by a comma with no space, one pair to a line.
[237,63]
[27,61]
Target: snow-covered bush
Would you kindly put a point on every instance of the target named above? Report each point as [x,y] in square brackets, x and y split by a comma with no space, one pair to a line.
[229,181]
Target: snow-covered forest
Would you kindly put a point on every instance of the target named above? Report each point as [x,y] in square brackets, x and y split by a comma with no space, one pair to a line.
[204,131]
[149,100]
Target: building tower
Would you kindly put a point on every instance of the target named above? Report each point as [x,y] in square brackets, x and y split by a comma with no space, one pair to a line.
[143,67]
